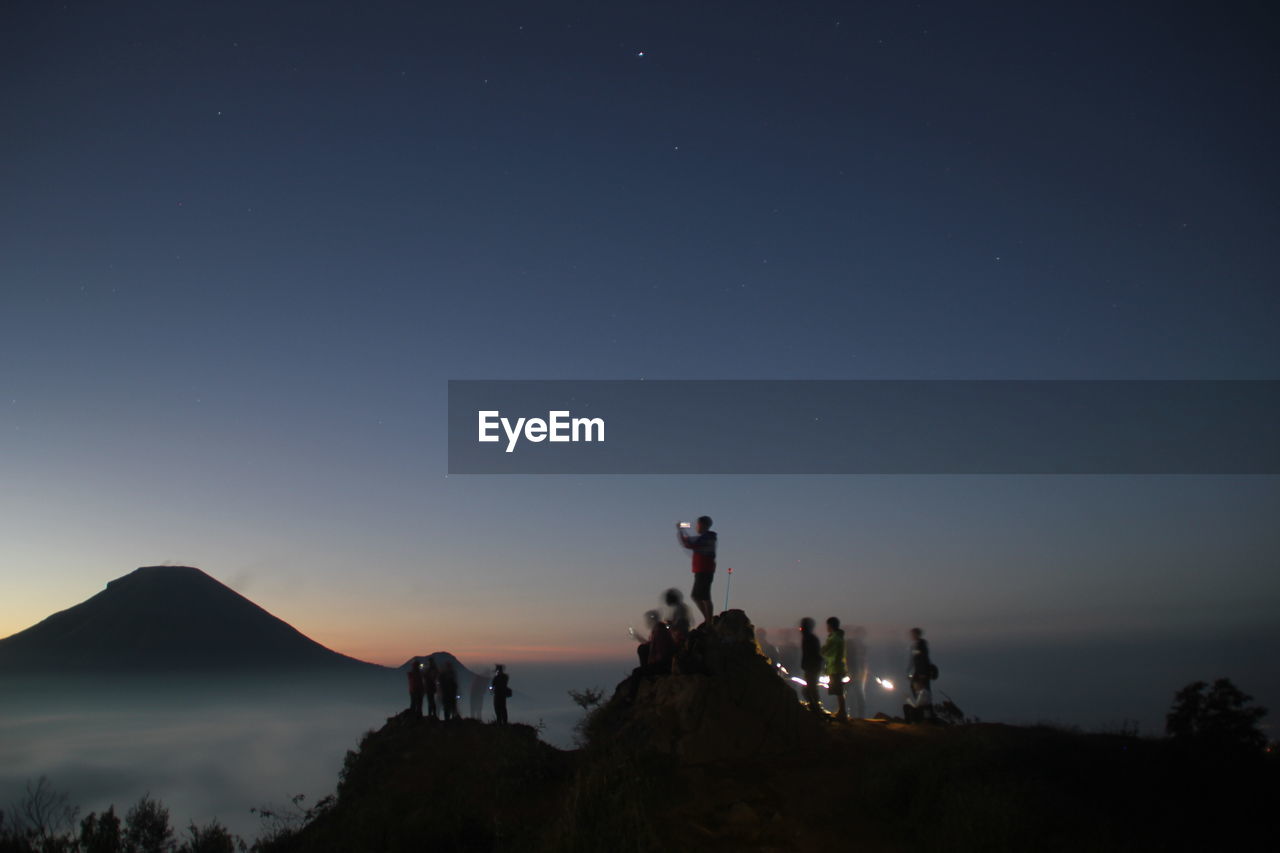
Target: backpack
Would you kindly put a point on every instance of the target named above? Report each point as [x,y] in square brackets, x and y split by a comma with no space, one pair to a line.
[933,672]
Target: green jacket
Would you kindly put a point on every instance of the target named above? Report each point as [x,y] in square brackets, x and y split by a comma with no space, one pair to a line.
[833,654]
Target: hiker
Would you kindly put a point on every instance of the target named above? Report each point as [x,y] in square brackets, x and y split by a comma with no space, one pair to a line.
[415,688]
[810,664]
[919,673]
[500,693]
[656,656]
[658,648]
[431,681]
[833,658]
[856,660]
[678,617]
[449,690]
[768,649]
[703,546]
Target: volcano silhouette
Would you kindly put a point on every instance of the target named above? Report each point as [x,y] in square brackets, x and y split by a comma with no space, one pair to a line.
[167,618]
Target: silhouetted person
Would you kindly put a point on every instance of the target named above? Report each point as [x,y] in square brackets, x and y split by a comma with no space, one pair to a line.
[658,656]
[856,658]
[833,660]
[449,690]
[415,688]
[768,649]
[703,546]
[662,647]
[919,674]
[658,645]
[678,616]
[810,664]
[431,683]
[500,693]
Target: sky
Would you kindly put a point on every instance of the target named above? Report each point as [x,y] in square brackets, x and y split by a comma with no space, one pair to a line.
[244,246]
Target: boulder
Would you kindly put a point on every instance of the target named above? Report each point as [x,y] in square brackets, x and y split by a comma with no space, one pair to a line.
[723,701]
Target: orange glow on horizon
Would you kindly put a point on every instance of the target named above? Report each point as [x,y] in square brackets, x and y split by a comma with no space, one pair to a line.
[494,653]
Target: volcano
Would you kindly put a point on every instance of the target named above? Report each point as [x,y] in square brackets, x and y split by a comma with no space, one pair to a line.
[167,618]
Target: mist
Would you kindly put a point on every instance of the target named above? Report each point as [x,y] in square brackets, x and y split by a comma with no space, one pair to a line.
[215,747]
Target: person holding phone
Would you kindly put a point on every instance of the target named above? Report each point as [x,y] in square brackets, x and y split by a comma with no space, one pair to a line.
[703,546]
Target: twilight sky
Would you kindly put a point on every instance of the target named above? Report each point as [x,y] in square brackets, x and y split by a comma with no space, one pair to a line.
[243,245]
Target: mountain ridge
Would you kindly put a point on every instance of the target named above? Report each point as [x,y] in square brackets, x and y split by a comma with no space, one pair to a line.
[167,618]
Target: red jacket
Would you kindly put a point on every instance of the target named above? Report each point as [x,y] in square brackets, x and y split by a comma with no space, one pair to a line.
[703,547]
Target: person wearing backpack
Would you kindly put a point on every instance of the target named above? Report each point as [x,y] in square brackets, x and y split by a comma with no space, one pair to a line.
[920,673]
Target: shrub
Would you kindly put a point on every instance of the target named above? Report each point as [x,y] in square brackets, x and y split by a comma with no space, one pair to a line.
[1218,718]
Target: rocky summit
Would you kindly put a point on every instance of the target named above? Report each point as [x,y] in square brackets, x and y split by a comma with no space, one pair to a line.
[722,701]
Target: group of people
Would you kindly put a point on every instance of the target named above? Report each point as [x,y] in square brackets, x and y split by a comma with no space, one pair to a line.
[427,680]
[666,635]
[842,657]
[843,662]
[837,661]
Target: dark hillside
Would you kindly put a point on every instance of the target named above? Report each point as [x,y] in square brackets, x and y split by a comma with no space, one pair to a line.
[718,756]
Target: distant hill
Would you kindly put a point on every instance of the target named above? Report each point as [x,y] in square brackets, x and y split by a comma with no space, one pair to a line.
[441,658]
[167,618]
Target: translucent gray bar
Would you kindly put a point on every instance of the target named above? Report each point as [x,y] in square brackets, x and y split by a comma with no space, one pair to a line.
[876,427]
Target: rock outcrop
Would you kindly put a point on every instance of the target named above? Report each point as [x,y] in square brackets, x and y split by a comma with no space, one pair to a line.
[723,700]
